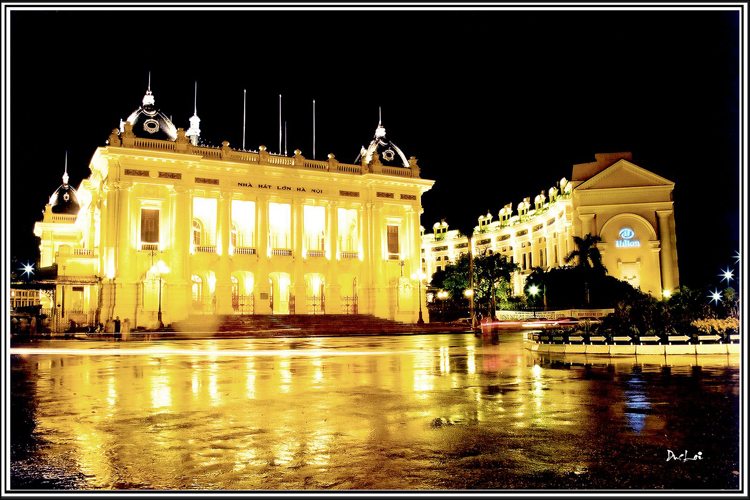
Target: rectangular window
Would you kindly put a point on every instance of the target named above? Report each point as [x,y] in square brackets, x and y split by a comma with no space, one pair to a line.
[523,265]
[541,258]
[150,225]
[392,239]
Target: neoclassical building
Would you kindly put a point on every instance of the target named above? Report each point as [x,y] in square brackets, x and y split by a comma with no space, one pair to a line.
[630,208]
[166,226]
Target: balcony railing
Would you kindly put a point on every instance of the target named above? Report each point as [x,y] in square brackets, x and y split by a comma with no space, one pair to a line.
[64,218]
[316,253]
[349,255]
[286,252]
[150,246]
[244,251]
[206,249]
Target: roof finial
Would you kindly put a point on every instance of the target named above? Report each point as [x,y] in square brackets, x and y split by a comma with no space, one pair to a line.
[380,131]
[194,132]
[65,175]
[148,99]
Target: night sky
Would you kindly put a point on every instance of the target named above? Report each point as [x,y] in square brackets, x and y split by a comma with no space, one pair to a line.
[496,105]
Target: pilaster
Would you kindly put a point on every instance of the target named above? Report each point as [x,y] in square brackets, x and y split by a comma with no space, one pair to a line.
[666,259]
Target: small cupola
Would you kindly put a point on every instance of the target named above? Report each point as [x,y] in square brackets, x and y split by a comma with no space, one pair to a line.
[382,150]
[65,199]
[148,121]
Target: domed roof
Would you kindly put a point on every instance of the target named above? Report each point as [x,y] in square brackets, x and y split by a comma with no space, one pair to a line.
[149,122]
[389,153]
[65,200]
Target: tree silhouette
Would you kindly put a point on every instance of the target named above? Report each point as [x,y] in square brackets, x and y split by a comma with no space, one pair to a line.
[588,259]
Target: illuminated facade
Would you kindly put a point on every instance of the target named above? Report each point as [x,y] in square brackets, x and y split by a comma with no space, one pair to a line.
[630,208]
[165,224]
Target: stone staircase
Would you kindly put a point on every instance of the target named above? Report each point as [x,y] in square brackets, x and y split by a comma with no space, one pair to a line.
[302,325]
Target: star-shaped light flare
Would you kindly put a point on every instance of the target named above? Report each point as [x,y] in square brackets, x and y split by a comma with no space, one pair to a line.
[715,296]
[27,269]
[727,274]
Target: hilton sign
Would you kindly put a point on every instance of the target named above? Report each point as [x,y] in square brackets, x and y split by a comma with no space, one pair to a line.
[626,239]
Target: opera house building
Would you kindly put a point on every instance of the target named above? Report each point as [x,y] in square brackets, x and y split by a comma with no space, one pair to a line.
[628,207]
[165,228]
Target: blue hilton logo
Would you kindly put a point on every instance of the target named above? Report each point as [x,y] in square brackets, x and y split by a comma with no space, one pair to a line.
[626,239]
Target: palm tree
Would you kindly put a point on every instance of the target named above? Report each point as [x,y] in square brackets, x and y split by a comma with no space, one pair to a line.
[588,258]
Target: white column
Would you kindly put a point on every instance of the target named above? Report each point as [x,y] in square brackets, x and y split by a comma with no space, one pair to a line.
[377,242]
[262,303]
[332,287]
[298,279]
[223,274]
[125,261]
[587,225]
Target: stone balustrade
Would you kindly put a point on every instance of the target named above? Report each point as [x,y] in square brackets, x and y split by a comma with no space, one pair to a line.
[265,158]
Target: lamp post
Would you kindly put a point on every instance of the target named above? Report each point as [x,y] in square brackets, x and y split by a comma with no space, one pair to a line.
[442,295]
[533,290]
[160,269]
[419,277]
[469,294]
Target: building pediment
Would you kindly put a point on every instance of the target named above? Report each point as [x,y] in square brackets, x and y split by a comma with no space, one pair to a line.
[624,174]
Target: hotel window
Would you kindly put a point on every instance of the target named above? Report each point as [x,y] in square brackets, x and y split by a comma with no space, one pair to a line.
[541,257]
[555,254]
[149,225]
[197,232]
[523,265]
[392,239]
[197,288]
[439,268]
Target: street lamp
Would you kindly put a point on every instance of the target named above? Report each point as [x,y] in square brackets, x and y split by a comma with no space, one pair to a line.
[159,269]
[469,294]
[533,290]
[442,295]
[419,276]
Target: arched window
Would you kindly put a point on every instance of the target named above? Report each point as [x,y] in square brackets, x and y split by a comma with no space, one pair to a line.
[197,232]
[197,288]
[233,237]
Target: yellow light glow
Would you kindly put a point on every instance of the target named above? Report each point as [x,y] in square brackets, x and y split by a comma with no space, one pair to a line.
[468,292]
[667,293]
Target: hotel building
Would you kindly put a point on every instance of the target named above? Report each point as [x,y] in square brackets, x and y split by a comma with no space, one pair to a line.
[165,228]
[630,208]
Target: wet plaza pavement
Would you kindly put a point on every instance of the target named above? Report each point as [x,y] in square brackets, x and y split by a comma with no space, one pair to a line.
[411,412]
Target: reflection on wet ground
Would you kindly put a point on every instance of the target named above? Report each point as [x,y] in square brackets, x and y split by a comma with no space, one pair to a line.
[411,412]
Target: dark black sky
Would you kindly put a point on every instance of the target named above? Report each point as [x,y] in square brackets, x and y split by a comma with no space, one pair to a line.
[496,105]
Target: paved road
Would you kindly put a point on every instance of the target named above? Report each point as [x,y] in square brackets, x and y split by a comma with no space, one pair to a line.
[413,412]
